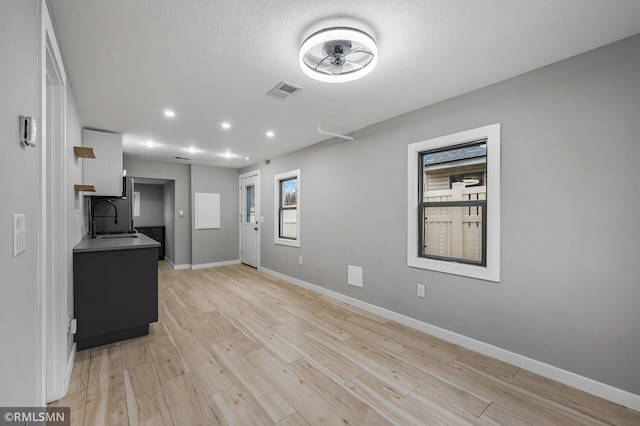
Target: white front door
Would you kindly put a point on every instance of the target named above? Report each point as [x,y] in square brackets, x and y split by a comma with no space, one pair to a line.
[250,219]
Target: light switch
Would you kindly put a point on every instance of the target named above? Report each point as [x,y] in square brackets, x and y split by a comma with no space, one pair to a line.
[19,234]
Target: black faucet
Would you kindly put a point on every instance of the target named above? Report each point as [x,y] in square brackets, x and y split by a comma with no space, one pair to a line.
[93,214]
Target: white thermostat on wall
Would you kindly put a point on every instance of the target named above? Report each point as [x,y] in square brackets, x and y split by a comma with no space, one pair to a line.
[28,130]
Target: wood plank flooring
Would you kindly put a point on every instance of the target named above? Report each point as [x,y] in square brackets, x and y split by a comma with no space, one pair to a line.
[234,346]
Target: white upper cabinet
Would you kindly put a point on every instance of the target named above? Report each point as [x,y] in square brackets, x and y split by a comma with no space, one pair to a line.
[105,172]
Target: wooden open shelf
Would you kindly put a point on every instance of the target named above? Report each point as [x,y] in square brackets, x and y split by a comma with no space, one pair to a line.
[84,152]
[86,188]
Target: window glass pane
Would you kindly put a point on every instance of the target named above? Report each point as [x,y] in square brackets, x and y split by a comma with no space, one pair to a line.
[250,214]
[455,170]
[289,223]
[453,232]
[289,192]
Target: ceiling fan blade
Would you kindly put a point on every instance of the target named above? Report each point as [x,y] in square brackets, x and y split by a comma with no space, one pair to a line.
[360,58]
[321,61]
[353,66]
[359,49]
[331,69]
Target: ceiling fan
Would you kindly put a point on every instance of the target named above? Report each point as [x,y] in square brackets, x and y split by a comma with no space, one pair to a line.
[338,55]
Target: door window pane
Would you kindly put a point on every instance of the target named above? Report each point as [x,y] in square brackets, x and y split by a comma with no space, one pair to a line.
[250,213]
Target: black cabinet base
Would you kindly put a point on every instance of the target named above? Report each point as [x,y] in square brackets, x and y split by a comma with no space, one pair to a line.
[104,339]
[115,294]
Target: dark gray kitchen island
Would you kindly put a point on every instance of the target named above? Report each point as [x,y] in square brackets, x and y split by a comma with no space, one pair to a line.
[115,288]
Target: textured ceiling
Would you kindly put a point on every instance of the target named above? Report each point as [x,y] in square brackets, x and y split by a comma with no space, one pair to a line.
[214,61]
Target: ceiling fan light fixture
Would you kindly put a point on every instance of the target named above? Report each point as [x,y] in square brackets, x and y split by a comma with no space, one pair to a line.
[337,55]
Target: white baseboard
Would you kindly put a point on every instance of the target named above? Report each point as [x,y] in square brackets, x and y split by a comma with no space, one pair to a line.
[214,264]
[201,265]
[174,266]
[610,393]
[70,361]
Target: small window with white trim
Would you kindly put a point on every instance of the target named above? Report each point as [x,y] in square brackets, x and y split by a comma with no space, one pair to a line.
[287,204]
[454,204]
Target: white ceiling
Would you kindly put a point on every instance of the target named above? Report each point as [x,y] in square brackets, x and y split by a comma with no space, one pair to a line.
[214,61]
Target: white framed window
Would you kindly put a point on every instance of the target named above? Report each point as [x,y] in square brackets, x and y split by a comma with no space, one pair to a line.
[287,208]
[453,203]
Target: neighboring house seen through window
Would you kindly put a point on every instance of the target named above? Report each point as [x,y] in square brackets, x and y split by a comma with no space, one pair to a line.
[451,221]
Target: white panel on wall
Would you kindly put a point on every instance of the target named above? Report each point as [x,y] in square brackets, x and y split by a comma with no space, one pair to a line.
[207,215]
[354,275]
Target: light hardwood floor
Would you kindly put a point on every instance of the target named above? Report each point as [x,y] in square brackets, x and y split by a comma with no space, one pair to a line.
[236,346]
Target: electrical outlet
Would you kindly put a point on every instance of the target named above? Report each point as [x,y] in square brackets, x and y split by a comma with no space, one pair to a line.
[299,260]
[421,290]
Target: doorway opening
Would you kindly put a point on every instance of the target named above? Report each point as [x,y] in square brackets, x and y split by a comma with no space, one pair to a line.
[250,219]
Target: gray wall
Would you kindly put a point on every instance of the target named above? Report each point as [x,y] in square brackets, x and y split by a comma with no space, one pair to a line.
[181,175]
[151,205]
[217,245]
[190,246]
[570,153]
[19,311]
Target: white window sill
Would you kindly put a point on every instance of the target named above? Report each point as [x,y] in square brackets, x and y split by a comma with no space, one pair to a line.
[285,242]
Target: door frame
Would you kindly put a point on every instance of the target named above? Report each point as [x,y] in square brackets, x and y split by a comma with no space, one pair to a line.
[252,173]
[52,193]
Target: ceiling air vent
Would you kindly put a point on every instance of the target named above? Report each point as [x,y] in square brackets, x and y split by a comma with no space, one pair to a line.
[182,158]
[283,90]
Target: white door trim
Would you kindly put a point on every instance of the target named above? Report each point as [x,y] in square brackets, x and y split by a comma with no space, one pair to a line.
[52,195]
[255,173]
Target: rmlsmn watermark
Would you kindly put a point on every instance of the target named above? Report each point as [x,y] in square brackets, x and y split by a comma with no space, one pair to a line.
[51,416]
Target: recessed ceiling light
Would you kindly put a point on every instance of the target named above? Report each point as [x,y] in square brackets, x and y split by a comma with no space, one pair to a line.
[336,55]
[192,149]
[169,113]
[226,125]
[227,154]
[150,143]
[270,134]
[247,158]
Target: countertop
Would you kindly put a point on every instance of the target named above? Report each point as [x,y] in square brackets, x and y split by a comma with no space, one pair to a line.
[106,244]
